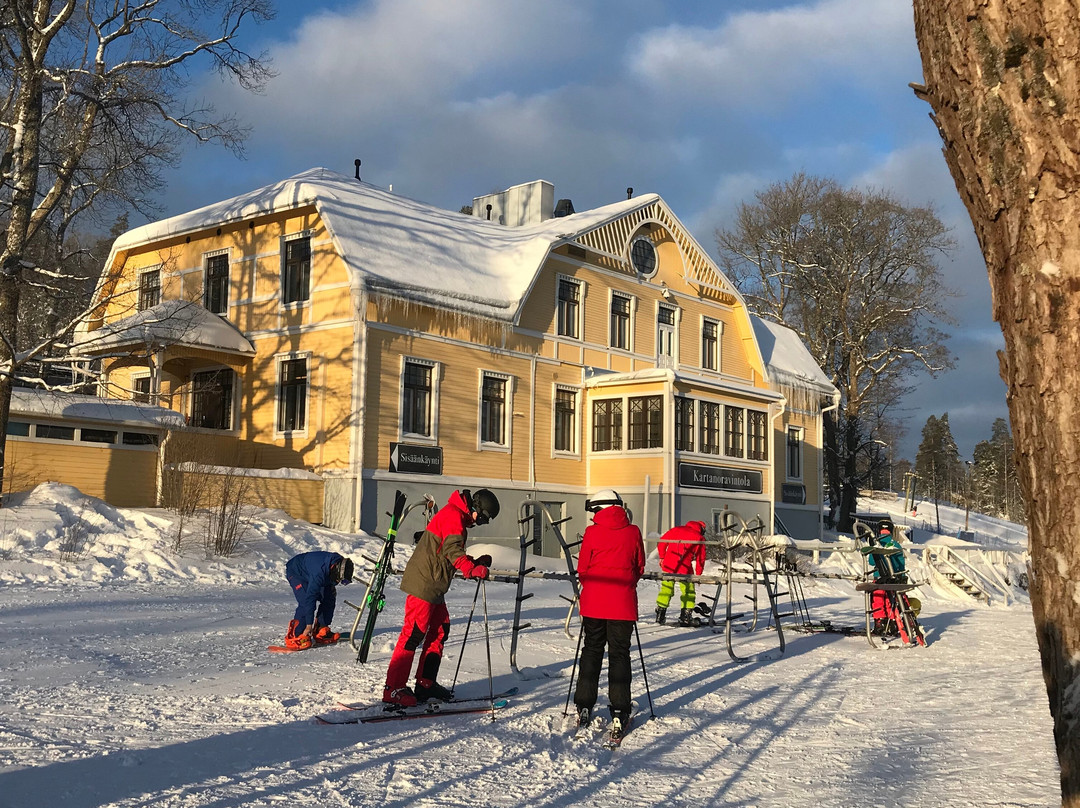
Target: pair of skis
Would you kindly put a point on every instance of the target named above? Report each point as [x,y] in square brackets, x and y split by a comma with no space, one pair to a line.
[612,739]
[374,600]
[365,713]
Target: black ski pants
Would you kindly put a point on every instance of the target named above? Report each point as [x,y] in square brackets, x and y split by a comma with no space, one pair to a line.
[615,634]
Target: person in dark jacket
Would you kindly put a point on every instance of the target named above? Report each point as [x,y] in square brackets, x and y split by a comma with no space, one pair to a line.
[610,564]
[439,552]
[682,551]
[314,578]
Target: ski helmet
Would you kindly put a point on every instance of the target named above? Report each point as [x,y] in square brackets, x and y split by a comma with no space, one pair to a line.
[886,526]
[603,499]
[486,506]
[342,571]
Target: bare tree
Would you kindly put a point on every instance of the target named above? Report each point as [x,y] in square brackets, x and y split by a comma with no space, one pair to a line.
[1002,79]
[854,273]
[91,110]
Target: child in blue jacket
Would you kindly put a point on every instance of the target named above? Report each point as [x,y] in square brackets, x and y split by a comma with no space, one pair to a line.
[314,578]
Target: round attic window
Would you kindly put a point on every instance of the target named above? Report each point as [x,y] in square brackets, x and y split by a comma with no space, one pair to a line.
[643,256]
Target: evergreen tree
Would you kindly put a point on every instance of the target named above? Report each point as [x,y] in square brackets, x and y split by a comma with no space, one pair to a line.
[938,463]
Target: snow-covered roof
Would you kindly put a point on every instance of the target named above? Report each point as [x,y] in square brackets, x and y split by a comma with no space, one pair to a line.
[174,322]
[786,358]
[395,244]
[72,406]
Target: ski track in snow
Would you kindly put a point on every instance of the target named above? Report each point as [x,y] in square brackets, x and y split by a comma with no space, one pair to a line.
[134,678]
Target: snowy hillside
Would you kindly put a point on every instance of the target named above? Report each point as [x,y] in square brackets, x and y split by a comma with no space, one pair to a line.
[132,676]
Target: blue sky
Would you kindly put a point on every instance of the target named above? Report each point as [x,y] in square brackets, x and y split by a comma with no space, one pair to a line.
[704,103]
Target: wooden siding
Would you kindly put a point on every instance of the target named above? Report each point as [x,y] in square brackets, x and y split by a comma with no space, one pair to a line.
[126,478]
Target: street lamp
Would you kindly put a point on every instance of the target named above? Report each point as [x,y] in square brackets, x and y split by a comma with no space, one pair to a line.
[967,497]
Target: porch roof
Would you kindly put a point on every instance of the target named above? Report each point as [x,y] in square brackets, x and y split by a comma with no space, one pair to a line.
[73,406]
[172,323]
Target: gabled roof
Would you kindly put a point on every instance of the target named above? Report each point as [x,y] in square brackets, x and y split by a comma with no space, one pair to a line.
[407,248]
[172,323]
[786,358]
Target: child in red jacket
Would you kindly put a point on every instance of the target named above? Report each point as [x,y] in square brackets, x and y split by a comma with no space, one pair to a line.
[681,550]
[610,564]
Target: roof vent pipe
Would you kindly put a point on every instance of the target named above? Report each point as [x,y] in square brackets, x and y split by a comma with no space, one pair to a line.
[629,191]
[356,163]
[489,212]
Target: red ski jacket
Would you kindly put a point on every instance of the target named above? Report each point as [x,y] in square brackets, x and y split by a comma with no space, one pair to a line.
[611,562]
[441,548]
[681,548]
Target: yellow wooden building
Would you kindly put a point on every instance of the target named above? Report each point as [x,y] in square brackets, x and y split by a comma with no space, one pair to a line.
[322,323]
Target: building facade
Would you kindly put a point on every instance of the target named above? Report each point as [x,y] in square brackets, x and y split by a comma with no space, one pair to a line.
[322,323]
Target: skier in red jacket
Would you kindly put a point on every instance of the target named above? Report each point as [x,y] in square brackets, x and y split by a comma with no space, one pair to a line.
[682,551]
[427,577]
[610,564]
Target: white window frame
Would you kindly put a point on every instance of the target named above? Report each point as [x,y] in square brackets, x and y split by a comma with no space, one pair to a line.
[139,285]
[206,256]
[508,411]
[579,325]
[234,411]
[673,357]
[612,294]
[414,437]
[575,451]
[151,394]
[717,352]
[590,436]
[279,361]
[295,304]
[787,453]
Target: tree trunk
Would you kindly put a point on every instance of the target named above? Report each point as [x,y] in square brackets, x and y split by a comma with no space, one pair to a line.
[1003,79]
[849,487]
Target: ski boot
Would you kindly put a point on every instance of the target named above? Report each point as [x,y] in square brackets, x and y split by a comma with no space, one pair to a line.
[584,716]
[399,697]
[687,619]
[620,723]
[661,615]
[431,691]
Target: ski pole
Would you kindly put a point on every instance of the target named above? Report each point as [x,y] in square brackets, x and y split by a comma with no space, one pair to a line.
[487,642]
[644,675]
[466,637]
[573,670]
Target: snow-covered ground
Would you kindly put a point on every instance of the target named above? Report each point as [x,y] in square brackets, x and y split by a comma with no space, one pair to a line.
[131,676]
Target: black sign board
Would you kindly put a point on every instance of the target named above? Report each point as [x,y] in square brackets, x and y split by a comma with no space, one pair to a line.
[719,478]
[793,494]
[408,458]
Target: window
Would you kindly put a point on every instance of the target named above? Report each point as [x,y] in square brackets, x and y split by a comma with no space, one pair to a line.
[149,289]
[643,256]
[140,389]
[20,429]
[733,431]
[620,321]
[292,394]
[794,452]
[607,425]
[97,435]
[54,432]
[296,272]
[216,294]
[417,396]
[665,336]
[493,409]
[757,435]
[710,427]
[140,439]
[684,424]
[710,344]
[569,308]
[565,420]
[212,399]
[646,422]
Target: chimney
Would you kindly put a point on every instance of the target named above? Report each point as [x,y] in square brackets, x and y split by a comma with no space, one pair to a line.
[489,212]
[629,192]
[356,163]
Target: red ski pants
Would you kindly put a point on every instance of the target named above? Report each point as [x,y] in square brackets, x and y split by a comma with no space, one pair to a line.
[427,626]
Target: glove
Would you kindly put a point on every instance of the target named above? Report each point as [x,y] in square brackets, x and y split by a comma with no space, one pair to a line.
[483,561]
[479,572]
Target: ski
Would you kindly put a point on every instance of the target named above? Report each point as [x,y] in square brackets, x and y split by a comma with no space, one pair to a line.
[420,711]
[362,705]
[282,649]
[615,737]
[375,600]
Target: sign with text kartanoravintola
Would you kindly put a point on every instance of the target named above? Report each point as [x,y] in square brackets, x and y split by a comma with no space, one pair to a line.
[410,458]
[719,478]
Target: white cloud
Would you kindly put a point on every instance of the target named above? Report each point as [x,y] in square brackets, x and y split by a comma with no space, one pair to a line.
[762,59]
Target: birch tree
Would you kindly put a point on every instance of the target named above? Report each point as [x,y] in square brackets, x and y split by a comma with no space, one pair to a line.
[92,108]
[854,273]
[1002,78]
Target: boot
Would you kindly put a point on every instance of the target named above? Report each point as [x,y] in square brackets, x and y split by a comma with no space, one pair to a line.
[584,716]
[431,691]
[661,615]
[687,619]
[879,627]
[322,635]
[401,697]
